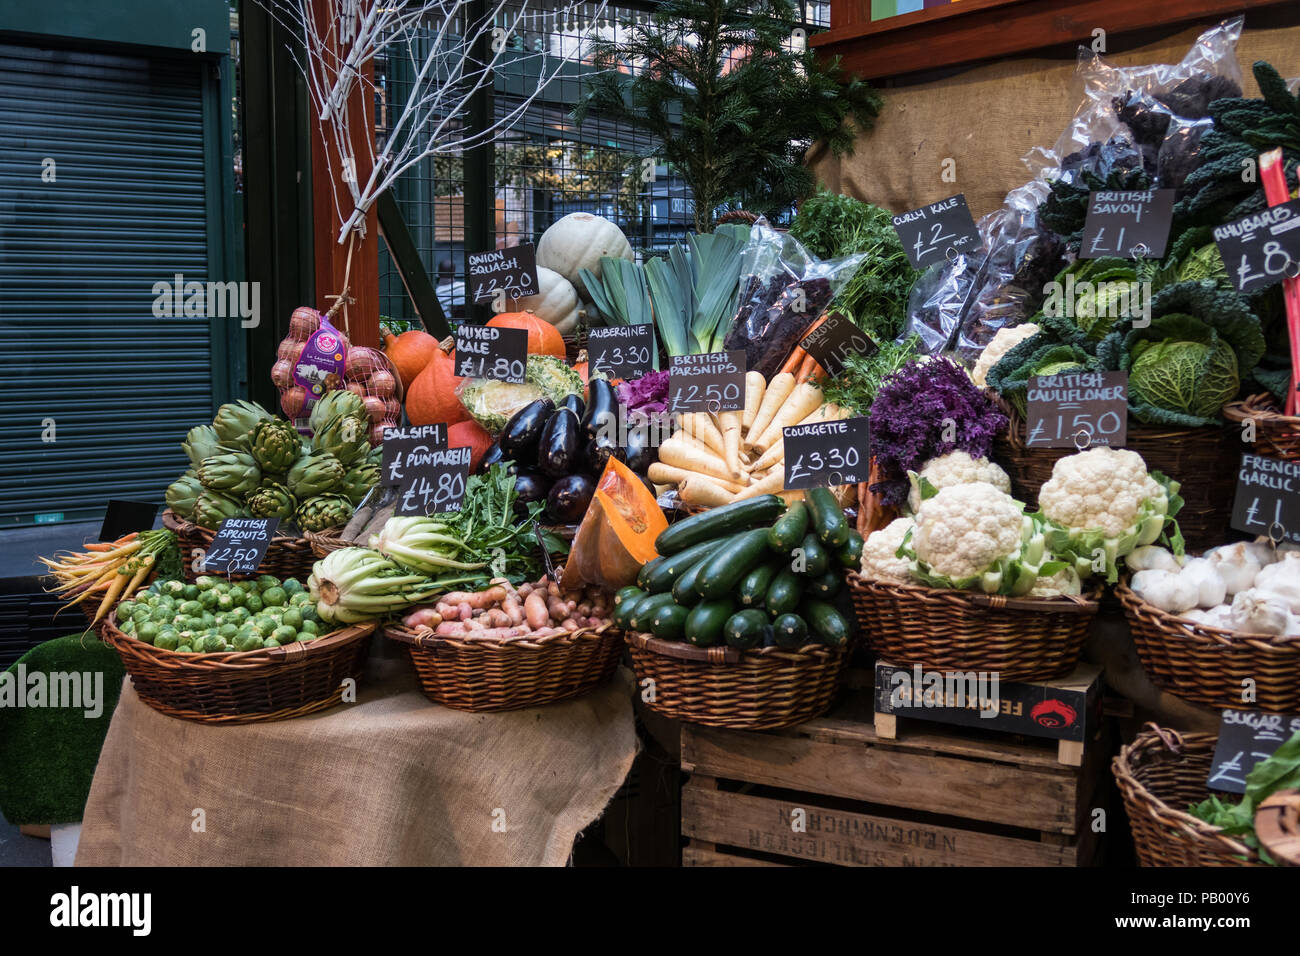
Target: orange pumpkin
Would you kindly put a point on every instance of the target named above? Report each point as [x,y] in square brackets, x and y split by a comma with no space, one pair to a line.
[410,353]
[543,338]
[581,369]
[432,396]
[471,433]
[617,534]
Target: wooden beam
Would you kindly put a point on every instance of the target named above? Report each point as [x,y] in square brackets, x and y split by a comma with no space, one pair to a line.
[406,257]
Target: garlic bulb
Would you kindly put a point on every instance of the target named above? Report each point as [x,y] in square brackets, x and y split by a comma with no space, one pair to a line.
[1236,563]
[1210,588]
[1167,591]
[1257,612]
[1152,557]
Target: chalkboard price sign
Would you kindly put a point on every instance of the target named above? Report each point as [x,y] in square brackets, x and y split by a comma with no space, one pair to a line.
[1267,500]
[486,352]
[239,545]
[941,230]
[1263,248]
[711,382]
[406,448]
[1129,224]
[622,351]
[498,273]
[834,340]
[123,517]
[1247,737]
[827,453]
[436,484]
[1077,410]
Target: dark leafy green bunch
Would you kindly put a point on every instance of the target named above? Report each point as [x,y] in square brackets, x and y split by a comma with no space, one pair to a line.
[734,110]
[1115,164]
[1279,772]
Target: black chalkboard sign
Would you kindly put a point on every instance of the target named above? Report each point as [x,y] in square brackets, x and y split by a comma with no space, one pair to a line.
[711,382]
[827,453]
[1263,248]
[1129,224]
[409,447]
[1267,500]
[622,351]
[836,338]
[1247,737]
[239,545]
[123,517]
[939,231]
[487,352]
[500,273]
[1077,410]
[436,484]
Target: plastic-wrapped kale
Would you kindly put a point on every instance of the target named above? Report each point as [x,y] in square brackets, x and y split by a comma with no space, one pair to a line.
[1147,120]
[1115,164]
[1192,97]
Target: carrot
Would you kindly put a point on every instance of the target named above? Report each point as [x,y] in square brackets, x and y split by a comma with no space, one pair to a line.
[142,572]
[99,546]
[806,369]
[110,596]
[792,361]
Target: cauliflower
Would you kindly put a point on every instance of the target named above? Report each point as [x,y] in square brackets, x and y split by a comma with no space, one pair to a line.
[955,468]
[880,561]
[975,536]
[1064,582]
[1102,504]
[1000,345]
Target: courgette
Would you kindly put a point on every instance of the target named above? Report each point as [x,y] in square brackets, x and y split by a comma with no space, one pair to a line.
[850,553]
[622,615]
[814,560]
[745,629]
[662,577]
[717,522]
[783,593]
[790,631]
[826,623]
[825,585]
[639,619]
[827,517]
[686,591]
[726,566]
[623,594]
[705,621]
[647,570]
[669,622]
[789,529]
[754,585]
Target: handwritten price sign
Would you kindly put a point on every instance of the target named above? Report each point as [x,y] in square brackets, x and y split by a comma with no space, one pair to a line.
[1077,410]
[622,351]
[503,272]
[711,382]
[1262,249]
[483,352]
[436,484]
[940,230]
[240,545]
[827,453]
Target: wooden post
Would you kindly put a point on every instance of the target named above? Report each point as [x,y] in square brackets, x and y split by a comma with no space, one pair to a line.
[331,257]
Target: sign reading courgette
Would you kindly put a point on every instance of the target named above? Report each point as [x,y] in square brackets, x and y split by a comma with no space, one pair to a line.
[827,453]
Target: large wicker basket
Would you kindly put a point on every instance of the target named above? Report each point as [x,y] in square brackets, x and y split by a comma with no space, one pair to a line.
[248,686]
[483,675]
[1276,434]
[323,543]
[288,556]
[1160,774]
[743,690]
[1204,460]
[1208,664]
[1022,639]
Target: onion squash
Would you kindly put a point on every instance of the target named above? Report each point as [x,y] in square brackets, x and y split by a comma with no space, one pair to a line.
[432,396]
[617,534]
[556,301]
[577,242]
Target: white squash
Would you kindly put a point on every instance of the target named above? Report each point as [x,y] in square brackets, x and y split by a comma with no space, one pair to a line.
[556,301]
[577,242]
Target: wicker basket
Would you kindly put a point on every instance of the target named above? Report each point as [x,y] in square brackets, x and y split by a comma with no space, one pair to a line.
[1160,774]
[323,543]
[1276,434]
[487,675]
[1208,664]
[1021,639]
[248,686]
[286,557]
[743,690]
[1204,460]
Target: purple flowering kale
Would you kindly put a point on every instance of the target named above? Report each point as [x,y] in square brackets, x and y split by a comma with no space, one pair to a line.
[648,394]
[927,408]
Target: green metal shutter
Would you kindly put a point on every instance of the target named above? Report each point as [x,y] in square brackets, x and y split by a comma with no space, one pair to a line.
[79,258]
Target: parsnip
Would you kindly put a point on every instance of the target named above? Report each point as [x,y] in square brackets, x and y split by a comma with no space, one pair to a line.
[699,490]
[662,474]
[772,484]
[803,401]
[776,451]
[677,452]
[699,425]
[777,391]
[755,386]
[730,422]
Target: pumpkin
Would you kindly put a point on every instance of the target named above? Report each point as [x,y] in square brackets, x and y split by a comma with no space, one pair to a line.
[432,396]
[617,534]
[556,301]
[471,433]
[543,338]
[577,242]
[410,353]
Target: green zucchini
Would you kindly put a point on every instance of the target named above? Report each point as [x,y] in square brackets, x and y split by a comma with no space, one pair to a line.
[717,522]
[622,615]
[745,629]
[784,592]
[828,624]
[705,621]
[647,571]
[669,622]
[645,608]
[624,594]
[753,586]
[850,553]
[827,517]
[790,631]
[686,591]
[789,529]
[662,577]
[726,566]
[815,560]
[825,585]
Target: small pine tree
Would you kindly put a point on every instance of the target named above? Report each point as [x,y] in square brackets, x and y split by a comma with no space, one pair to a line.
[731,106]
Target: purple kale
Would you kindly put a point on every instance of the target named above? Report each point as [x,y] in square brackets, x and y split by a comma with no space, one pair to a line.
[648,394]
[927,408]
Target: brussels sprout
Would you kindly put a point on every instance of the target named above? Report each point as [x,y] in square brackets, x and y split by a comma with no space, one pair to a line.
[308,612]
[140,613]
[211,644]
[284,635]
[253,603]
[148,632]
[270,642]
[127,627]
[205,581]
[190,608]
[228,631]
[247,642]
[292,586]
[274,596]
[184,649]
[209,598]
[304,637]
[208,619]
[239,615]
[292,617]
[125,609]
[173,588]
[190,592]
[166,642]
[310,628]
[265,581]
[225,603]
[238,594]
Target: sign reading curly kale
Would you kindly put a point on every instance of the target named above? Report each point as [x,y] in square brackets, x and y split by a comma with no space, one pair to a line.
[1077,410]
[941,230]
[1128,224]
[1267,501]
[1263,248]
[239,545]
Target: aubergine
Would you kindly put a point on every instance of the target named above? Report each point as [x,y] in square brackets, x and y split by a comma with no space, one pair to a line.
[557,448]
[640,453]
[518,440]
[601,416]
[574,403]
[493,456]
[569,499]
[529,487]
[598,452]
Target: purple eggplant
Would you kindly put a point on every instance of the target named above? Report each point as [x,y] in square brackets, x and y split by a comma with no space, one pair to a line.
[557,448]
[518,440]
[569,499]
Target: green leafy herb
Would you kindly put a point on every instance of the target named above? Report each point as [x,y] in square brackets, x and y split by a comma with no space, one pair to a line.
[1279,772]
[856,386]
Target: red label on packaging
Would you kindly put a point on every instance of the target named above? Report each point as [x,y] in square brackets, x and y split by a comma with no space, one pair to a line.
[320,367]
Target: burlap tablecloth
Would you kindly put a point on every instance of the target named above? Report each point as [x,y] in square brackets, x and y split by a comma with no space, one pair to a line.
[392,779]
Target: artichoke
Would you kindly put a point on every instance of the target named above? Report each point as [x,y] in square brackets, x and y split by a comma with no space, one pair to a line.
[272,500]
[233,473]
[338,402]
[376,456]
[323,511]
[315,473]
[213,507]
[276,444]
[201,442]
[359,480]
[183,493]
[344,437]
[235,422]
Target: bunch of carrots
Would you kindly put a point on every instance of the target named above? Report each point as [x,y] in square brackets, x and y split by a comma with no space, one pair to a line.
[109,571]
[803,366]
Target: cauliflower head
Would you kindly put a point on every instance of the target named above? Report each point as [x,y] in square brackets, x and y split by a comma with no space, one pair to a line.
[955,468]
[1102,504]
[1064,582]
[880,561]
[976,536]
[1001,343]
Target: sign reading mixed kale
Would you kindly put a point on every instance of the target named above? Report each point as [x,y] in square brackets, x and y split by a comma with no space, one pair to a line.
[488,352]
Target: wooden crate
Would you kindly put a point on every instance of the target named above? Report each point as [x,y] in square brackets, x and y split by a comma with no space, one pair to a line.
[832,792]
